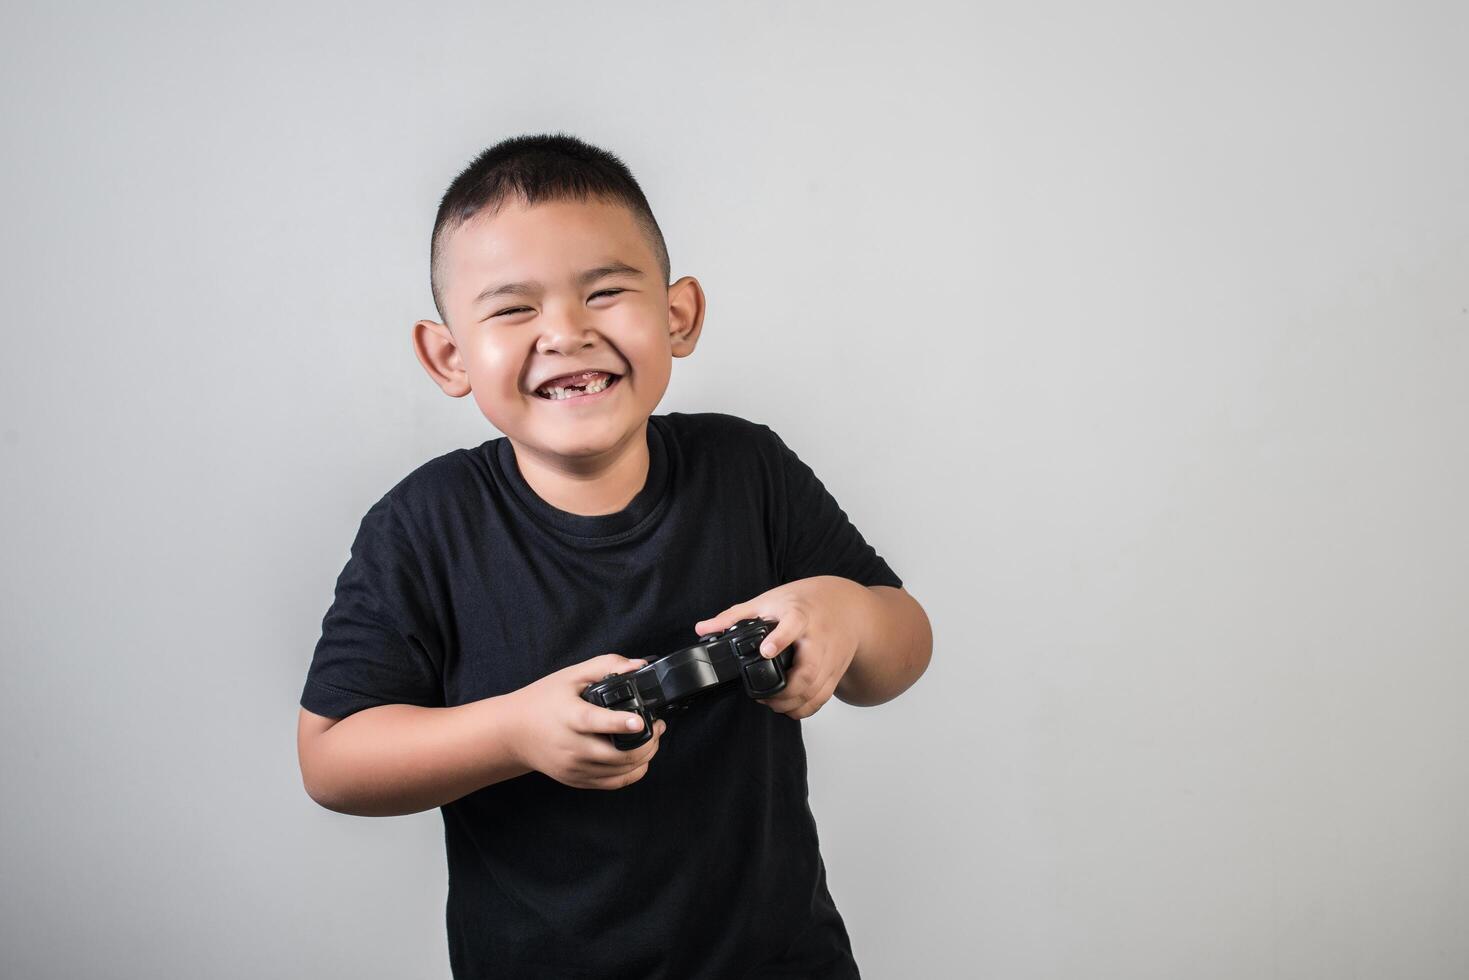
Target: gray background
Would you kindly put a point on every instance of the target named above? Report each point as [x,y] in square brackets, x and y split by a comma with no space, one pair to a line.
[1135,338]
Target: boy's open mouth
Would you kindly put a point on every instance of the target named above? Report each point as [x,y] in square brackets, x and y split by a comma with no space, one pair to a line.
[577,385]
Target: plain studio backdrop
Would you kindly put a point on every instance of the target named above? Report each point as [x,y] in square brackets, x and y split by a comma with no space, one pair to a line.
[1136,339]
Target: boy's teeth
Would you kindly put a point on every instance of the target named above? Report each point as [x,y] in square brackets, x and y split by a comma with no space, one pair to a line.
[598,380]
[567,380]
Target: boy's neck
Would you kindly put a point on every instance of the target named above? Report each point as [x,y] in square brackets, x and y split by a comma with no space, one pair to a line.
[589,486]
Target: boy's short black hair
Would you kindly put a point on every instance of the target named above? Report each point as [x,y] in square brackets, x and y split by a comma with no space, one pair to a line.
[537,168]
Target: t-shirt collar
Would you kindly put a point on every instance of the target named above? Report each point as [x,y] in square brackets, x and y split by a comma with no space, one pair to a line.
[594,528]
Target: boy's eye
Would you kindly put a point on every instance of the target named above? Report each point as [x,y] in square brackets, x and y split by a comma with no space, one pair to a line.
[517,309]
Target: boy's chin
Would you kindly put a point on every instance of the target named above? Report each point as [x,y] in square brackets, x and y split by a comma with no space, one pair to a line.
[572,438]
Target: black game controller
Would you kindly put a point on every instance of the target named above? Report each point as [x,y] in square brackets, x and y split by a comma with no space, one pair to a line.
[665,686]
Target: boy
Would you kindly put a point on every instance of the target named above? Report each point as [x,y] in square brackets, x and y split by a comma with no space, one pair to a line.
[486,588]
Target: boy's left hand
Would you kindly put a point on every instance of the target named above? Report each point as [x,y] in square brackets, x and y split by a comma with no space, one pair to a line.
[820,616]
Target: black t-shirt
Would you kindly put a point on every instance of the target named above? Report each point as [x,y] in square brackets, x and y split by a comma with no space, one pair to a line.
[463,584]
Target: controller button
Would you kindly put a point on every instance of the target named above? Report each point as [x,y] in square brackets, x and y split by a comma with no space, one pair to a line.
[617,693]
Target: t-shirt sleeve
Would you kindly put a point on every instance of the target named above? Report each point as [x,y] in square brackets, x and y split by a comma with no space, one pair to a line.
[813,534]
[378,644]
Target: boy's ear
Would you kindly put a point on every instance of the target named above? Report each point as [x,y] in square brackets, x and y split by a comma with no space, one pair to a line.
[439,355]
[685,315]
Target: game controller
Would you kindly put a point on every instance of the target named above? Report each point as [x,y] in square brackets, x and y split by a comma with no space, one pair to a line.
[668,684]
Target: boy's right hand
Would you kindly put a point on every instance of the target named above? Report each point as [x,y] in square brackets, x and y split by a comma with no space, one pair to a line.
[565,737]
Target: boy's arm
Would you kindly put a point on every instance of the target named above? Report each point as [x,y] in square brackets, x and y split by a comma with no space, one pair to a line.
[395,759]
[894,647]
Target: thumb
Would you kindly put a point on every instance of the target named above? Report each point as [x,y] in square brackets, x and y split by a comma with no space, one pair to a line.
[591,671]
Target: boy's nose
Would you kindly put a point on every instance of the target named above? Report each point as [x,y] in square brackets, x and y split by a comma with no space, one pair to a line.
[564,336]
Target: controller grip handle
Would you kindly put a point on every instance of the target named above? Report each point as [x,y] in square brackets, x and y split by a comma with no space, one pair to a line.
[763,678]
[631,740]
[622,696]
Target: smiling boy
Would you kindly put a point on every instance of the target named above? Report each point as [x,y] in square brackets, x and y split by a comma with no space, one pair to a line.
[485,590]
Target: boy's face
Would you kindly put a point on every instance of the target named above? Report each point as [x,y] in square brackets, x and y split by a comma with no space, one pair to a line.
[504,346]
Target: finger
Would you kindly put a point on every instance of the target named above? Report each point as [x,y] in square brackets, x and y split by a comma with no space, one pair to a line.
[621,781]
[790,628]
[815,702]
[784,702]
[591,671]
[593,719]
[726,619]
[604,755]
[815,695]
[799,686]
[603,751]
[608,781]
